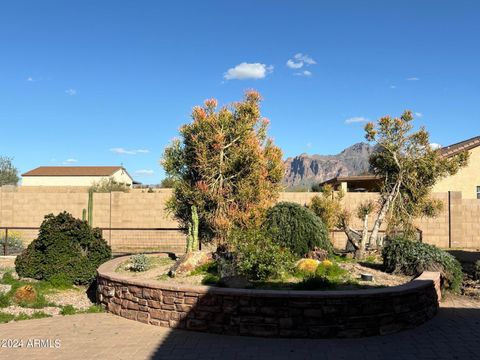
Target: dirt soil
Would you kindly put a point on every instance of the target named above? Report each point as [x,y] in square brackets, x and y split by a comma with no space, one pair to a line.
[380,278]
[161,266]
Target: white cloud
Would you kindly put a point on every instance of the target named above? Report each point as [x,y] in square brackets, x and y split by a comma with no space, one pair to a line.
[30,79]
[245,71]
[305,59]
[356,119]
[294,65]
[309,145]
[71,92]
[303,73]
[418,114]
[393,86]
[300,60]
[70,161]
[144,172]
[435,146]
[123,151]
[413,79]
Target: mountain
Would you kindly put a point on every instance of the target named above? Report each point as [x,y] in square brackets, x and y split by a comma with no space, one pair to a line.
[304,170]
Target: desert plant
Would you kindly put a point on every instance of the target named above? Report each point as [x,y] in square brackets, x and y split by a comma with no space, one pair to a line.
[224,164]
[297,228]
[307,266]
[25,294]
[409,167]
[412,258]
[328,206]
[108,185]
[8,172]
[258,256]
[65,246]
[476,270]
[14,243]
[192,237]
[138,263]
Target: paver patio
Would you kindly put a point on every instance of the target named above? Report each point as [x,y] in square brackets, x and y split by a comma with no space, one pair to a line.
[453,334]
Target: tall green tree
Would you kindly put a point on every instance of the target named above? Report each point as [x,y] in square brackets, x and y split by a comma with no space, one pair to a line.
[226,166]
[8,172]
[410,167]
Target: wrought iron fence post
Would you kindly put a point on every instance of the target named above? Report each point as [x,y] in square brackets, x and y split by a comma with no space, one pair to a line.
[5,242]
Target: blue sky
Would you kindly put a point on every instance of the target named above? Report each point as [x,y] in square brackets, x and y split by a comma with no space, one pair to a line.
[110,82]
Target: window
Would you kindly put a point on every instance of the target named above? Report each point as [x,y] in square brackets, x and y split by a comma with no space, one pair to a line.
[478,192]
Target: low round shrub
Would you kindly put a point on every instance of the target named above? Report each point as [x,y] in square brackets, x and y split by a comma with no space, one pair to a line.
[65,247]
[258,257]
[297,228]
[307,266]
[410,257]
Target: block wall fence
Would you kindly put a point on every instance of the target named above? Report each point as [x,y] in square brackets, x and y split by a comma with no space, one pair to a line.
[457,226]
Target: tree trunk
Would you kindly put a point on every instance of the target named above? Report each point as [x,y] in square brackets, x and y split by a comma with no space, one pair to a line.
[360,252]
[383,212]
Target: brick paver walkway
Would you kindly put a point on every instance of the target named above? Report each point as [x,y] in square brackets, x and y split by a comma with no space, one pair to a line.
[453,334]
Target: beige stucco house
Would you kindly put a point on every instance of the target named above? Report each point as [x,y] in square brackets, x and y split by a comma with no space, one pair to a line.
[75,175]
[467,180]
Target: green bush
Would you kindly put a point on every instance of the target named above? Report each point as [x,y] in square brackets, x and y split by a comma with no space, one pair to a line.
[138,263]
[258,256]
[476,270]
[14,243]
[66,248]
[297,228]
[412,258]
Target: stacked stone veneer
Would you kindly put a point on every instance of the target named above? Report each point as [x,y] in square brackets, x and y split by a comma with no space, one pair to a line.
[269,313]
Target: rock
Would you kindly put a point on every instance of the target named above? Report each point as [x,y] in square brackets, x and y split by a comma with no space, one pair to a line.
[189,262]
[5,288]
[317,254]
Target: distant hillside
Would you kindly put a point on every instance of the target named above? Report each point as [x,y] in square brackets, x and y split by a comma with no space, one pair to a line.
[304,170]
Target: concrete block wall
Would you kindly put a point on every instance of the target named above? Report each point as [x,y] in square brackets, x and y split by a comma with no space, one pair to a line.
[456,226]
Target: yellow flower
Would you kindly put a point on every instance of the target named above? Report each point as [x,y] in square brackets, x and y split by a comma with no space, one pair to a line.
[307,265]
[327,263]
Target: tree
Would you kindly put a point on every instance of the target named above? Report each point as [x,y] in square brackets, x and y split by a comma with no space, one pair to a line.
[409,167]
[167,183]
[8,172]
[107,185]
[328,206]
[225,165]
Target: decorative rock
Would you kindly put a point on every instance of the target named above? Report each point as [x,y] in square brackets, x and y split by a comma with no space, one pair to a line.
[5,288]
[189,262]
[317,254]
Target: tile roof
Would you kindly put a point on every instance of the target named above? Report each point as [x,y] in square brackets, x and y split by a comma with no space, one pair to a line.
[73,171]
[454,149]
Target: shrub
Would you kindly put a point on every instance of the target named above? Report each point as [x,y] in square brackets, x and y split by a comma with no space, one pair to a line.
[139,262]
[476,270]
[258,256]
[297,228]
[14,243]
[66,248]
[25,294]
[307,266]
[412,258]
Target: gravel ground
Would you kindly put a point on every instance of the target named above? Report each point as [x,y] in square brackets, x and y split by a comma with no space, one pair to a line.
[17,310]
[76,297]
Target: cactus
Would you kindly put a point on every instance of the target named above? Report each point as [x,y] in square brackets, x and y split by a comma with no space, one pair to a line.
[192,235]
[84,214]
[90,208]
[195,241]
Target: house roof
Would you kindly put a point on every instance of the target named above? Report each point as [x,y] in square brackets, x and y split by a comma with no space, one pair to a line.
[353,178]
[73,171]
[454,149]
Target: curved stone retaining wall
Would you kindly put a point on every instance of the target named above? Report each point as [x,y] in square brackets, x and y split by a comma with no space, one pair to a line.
[314,314]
